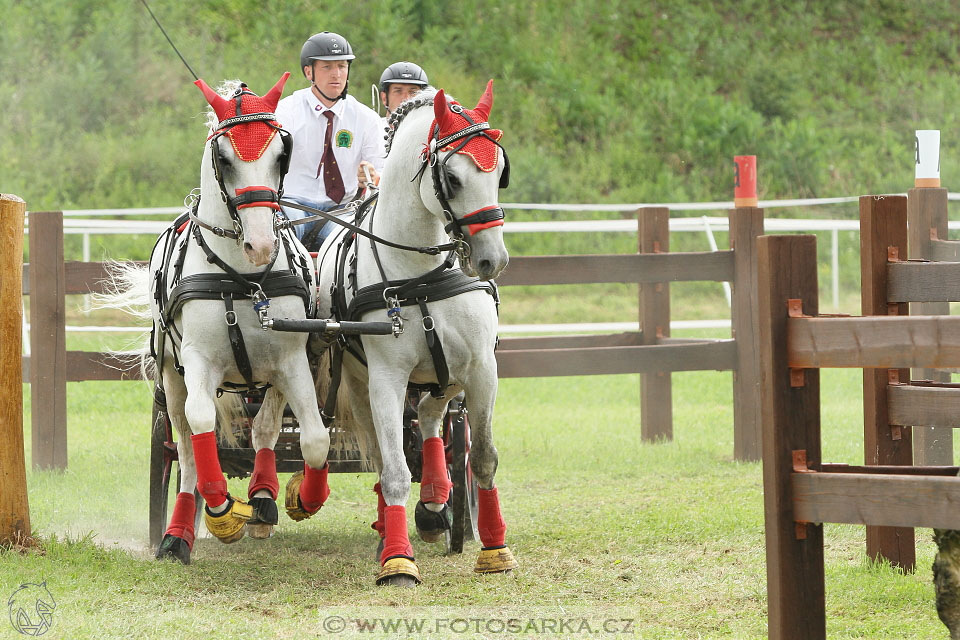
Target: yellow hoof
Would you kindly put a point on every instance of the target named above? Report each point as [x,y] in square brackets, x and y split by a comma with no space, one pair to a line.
[399,567]
[228,526]
[291,499]
[495,561]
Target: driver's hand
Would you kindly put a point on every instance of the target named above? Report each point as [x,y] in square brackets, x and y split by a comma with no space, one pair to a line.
[362,175]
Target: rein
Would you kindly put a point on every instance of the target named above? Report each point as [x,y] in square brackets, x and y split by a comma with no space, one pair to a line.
[353,206]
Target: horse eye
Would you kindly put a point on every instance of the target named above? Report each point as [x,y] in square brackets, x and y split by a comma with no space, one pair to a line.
[454,181]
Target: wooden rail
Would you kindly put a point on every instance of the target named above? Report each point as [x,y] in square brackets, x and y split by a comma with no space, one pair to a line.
[887,494]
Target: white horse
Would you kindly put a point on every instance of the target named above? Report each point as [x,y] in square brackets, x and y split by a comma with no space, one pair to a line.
[210,287]
[454,196]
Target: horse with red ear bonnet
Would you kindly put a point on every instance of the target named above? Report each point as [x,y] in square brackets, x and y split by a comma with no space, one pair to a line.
[213,279]
[439,188]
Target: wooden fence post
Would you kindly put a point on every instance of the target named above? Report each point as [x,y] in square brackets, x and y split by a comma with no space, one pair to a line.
[787,269]
[656,394]
[926,220]
[14,508]
[883,238]
[746,224]
[48,351]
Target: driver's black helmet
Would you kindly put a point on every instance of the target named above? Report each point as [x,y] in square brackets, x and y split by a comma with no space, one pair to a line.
[403,72]
[325,46]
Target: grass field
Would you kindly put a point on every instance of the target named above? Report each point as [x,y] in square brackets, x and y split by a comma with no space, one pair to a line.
[658,540]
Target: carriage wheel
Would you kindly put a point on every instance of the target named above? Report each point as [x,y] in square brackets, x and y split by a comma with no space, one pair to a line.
[163,453]
[463,498]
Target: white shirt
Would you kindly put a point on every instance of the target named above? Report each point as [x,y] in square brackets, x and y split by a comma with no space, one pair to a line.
[357,135]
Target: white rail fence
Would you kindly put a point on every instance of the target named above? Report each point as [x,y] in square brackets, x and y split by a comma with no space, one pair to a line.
[91,222]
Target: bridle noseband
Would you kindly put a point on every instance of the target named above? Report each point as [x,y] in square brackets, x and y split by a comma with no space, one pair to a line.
[251,196]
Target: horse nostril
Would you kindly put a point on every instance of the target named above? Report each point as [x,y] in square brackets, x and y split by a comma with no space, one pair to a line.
[485,266]
[247,247]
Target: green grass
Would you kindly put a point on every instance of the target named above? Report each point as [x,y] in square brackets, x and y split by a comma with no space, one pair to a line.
[604,526]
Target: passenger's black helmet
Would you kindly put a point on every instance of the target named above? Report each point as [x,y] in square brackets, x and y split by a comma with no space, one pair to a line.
[403,72]
[325,46]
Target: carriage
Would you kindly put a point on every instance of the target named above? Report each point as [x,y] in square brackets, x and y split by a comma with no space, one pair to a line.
[344,457]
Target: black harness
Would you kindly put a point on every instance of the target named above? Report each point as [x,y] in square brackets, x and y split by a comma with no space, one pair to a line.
[228,286]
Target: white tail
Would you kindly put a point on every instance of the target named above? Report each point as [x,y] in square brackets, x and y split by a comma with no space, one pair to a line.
[127,288]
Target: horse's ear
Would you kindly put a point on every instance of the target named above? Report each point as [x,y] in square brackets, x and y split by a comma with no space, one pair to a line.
[221,106]
[486,102]
[440,110]
[273,96]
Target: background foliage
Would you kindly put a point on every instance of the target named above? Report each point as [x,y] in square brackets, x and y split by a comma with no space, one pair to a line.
[621,101]
[614,101]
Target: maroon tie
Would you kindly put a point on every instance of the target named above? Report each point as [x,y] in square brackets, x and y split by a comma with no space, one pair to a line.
[332,180]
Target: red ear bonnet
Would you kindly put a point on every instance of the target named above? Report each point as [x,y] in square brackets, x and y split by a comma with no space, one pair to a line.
[250,139]
[483,152]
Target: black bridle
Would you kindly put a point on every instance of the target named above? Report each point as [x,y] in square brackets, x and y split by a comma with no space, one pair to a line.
[254,196]
[442,188]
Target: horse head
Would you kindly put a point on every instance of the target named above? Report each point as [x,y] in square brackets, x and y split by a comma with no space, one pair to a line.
[244,164]
[468,168]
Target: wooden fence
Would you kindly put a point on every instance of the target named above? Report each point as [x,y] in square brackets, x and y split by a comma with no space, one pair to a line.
[801,492]
[650,351]
[14,511]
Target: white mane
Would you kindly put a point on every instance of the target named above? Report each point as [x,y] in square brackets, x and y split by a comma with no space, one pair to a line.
[226,89]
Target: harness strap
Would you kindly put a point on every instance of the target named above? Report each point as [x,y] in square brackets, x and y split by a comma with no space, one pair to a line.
[236,341]
[436,350]
[446,285]
[329,411]
[255,197]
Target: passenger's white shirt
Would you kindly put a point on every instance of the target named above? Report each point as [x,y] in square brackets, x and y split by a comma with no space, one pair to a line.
[357,135]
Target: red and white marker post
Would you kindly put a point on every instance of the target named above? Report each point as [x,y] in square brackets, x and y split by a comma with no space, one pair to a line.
[745,181]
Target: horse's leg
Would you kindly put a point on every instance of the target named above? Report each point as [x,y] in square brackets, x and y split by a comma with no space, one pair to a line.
[177,542]
[225,516]
[387,390]
[481,394]
[264,484]
[363,419]
[306,490]
[432,514]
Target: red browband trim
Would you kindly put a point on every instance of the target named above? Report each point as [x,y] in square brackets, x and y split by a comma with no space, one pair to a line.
[273,205]
[480,226]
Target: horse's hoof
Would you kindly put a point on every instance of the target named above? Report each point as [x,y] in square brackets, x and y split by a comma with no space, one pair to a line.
[497,560]
[228,526]
[399,572]
[259,531]
[291,499]
[431,525]
[265,513]
[175,548]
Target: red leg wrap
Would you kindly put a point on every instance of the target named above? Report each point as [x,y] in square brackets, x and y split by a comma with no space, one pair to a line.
[381,505]
[434,484]
[181,523]
[396,542]
[264,474]
[491,525]
[210,481]
[314,490]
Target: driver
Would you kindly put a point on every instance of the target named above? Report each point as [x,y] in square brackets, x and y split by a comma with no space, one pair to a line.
[332,134]
[398,82]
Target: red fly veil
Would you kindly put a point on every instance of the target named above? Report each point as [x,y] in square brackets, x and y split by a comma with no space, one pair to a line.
[482,151]
[249,139]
